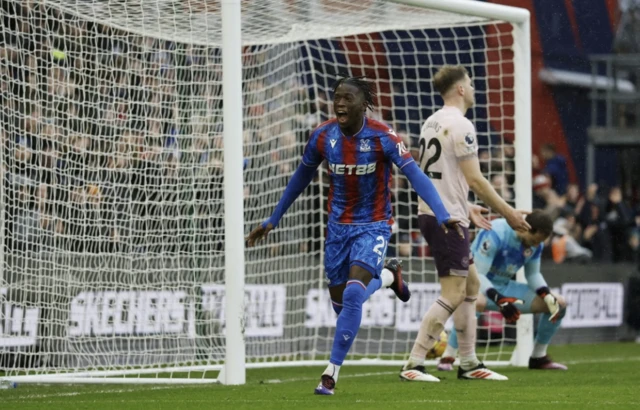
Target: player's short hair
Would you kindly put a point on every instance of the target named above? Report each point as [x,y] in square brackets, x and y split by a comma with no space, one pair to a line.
[362,84]
[447,76]
[540,222]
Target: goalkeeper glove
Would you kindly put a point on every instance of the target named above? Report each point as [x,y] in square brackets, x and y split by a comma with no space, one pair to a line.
[506,304]
[551,301]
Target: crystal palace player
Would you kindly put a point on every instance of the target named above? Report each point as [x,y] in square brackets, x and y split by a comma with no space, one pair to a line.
[449,157]
[499,253]
[359,152]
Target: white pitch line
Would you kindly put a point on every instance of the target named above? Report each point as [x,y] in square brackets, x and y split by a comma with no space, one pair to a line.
[346,376]
[77,393]
[305,379]
[607,360]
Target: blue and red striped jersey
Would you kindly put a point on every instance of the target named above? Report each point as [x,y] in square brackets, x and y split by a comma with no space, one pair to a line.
[359,169]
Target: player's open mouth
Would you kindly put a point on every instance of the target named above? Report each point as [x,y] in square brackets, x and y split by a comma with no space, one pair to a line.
[341,115]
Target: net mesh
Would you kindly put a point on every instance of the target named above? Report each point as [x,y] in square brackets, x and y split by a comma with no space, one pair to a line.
[112,233]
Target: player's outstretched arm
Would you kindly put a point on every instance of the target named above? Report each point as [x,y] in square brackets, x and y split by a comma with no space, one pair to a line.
[299,181]
[478,183]
[425,189]
[395,150]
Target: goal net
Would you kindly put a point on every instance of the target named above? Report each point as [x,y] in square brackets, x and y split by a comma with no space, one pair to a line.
[112,229]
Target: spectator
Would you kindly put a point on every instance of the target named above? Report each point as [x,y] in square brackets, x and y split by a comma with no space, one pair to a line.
[619,218]
[572,198]
[484,157]
[535,165]
[634,236]
[509,164]
[564,244]
[499,183]
[556,168]
[544,197]
[595,235]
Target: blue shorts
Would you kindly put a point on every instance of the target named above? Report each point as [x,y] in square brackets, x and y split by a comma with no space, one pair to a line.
[512,289]
[359,245]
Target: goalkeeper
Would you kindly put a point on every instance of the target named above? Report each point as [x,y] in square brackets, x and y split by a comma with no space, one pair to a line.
[498,255]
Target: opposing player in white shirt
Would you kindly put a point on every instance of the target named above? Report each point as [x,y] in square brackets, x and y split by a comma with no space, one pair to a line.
[448,155]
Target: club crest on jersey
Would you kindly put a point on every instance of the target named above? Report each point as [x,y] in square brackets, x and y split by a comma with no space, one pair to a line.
[486,245]
[365,146]
[528,252]
[469,139]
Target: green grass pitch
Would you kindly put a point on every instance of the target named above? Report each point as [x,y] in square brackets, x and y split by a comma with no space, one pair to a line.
[603,376]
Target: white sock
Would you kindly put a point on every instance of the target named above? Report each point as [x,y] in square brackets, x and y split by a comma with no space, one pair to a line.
[465,322]
[539,350]
[386,277]
[469,362]
[332,370]
[450,352]
[413,362]
[430,328]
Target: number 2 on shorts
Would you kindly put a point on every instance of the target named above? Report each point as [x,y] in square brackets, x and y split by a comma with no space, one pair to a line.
[380,248]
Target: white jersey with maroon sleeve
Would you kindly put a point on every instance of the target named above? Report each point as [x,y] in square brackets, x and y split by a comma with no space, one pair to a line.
[446,138]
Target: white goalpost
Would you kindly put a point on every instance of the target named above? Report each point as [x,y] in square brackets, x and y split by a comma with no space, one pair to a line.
[234,372]
[143,139]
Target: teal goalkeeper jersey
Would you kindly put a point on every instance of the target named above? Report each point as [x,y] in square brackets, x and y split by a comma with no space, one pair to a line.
[498,254]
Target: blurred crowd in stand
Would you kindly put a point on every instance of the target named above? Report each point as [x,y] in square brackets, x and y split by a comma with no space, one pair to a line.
[598,223]
[112,142]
